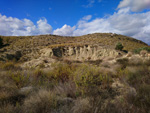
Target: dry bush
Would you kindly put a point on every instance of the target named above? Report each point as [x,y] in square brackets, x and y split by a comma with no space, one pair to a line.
[105,64]
[143,53]
[9,108]
[67,89]
[129,54]
[8,89]
[140,81]
[19,78]
[119,106]
[44,101]
[123,62]
[38,73]
[135,60]
[10,66]
[82,106]
[112,71]
[94,62]
[133,69]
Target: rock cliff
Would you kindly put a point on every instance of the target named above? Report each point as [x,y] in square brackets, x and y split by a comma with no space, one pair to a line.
[85,52]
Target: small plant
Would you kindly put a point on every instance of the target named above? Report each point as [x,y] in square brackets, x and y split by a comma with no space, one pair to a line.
[119,46]
[19,79]
[8,66]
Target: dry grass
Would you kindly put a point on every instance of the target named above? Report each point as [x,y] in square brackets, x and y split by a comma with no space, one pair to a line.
[76,88]
[82,106]
[72,87]
[43,101]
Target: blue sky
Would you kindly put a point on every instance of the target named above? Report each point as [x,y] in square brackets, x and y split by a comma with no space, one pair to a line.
[75,17]
[57,12]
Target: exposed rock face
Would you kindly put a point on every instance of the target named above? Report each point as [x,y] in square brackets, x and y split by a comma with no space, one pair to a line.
[44,62]
[87,52]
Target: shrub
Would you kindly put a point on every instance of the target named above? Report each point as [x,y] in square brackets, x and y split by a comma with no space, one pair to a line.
[8,108]
[129,54]
[44,101]
[88,79]
[137,51]
[40,78]
[119,46]
[143,53]
[10,66]
[62,72]
[140,81]
[123,62]
[135,60]
[20,79]
[82,106]
[67,89]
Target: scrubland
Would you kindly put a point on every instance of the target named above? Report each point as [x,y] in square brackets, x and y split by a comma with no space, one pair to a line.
[58,85]
[75,87]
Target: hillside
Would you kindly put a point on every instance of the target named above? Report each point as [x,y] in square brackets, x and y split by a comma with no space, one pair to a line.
[84,74]
[28,47]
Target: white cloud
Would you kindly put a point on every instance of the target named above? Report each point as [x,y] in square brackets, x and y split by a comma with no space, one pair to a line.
[97,25]
[134,25]
[15,27]
[91,3]
[44,27]
[64,31]
[88,17]
[135,5]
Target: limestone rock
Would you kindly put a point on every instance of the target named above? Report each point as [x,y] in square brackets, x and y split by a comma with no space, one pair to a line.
[86,52]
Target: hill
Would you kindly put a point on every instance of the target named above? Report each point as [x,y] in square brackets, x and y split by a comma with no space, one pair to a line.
[30,46]
[84,74]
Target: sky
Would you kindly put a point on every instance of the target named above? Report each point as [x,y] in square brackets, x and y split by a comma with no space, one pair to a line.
[75,17]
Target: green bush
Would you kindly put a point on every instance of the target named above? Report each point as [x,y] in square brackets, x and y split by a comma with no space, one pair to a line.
[88,79]
[20,79]
[119,46]
[137,51]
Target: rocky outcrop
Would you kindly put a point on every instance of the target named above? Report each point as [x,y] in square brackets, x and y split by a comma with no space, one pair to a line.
[86,52]
[41,62]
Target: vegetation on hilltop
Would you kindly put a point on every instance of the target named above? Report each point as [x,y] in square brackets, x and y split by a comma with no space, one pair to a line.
[138,50]
[30,46]
[104,39]
[119,46]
